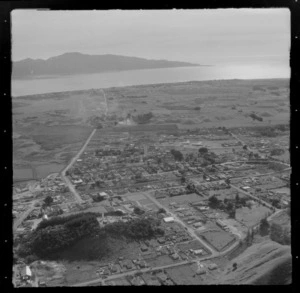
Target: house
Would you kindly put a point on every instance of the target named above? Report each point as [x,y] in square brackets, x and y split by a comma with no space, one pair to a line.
[201,271]
[169,220]
[144,248]
[212,267]
[161,240]
[198,251]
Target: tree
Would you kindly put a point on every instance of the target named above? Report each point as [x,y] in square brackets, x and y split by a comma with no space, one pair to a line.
[234,266]
[275,202]
[203,151]
[190,187]
[48,201]
[178,156]
[183,179]
[213,202]
[161,211]
[245,147]
[276,152]
[138,211]
[227,181]
[237,199]
[264,226]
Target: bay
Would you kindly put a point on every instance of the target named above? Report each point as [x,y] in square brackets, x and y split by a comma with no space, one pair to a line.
[43,85]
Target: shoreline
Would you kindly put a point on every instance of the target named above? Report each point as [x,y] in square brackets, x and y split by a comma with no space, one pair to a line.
[152,84]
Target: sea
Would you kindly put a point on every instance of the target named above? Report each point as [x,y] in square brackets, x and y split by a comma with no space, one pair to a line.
[41,85]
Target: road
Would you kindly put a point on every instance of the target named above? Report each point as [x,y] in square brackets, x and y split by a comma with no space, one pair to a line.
[145,270]
[106,104]
[243,143]
[20,219]
[252,196]
[63,173]
[190,230]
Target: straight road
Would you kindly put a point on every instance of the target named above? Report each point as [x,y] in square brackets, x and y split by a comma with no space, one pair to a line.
[252,196]
[20,219]
[145,270]
[63,173]
[190,230]
[106,104]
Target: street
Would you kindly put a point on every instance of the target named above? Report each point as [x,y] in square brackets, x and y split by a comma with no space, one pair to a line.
[63,173]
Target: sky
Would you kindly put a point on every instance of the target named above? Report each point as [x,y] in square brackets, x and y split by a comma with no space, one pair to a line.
[211,37]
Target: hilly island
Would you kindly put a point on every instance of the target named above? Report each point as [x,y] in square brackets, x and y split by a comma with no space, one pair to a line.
[78,63]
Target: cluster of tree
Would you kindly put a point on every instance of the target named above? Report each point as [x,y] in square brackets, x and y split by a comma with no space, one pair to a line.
[264,227]
[266,131]
[97,197]
[178,156]
[138,211]
[228,205]
[190,188]
[95,121]
[143,118]
[161,211]
[58,233]
[275,202]
[276,166]
[253,156]
[282,127]
[256,117]
[210,158]
[137,229]
[47,202]
[197,108]
[280,233]
[224,129]
[277,152]
[202,151]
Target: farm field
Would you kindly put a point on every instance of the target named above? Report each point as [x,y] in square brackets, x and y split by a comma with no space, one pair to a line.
[50,128]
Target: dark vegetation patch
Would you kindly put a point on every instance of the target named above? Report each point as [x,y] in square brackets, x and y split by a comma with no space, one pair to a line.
[142,118]
[19,104]
[170,106]
[136,97]
[57,96]
[81,232]
[270,131]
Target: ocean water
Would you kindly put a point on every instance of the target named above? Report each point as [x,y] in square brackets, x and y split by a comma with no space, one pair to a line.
[22,87]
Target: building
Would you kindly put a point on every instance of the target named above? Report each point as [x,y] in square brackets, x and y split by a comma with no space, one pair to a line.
[212,267]
[198,251]
[169,220]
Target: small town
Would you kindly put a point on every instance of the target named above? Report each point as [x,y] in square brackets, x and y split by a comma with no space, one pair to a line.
[150,147]
[210,191]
